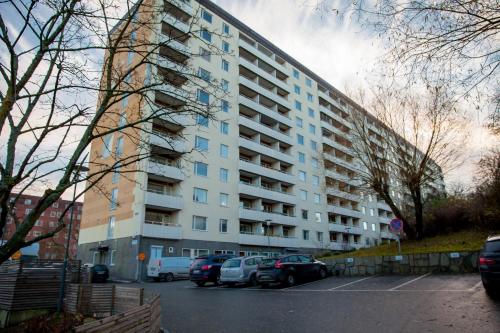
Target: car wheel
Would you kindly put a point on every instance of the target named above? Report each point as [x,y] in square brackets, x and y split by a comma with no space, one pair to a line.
[491,291]
[156,279]
[169,277]
[264,285]
[253,280]
[322,273]
[217,280]
[200,283]
[290,280]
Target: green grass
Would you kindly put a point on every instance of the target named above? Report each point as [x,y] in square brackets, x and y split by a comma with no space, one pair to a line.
[460,241]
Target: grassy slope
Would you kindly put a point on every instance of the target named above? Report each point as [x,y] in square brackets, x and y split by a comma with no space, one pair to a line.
[460,241]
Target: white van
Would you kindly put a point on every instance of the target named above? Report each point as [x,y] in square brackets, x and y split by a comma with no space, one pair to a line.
[169,268]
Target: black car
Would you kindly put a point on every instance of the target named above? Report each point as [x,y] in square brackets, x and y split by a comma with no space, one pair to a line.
[207,269]
[289,269]
[99,273]
[489,265]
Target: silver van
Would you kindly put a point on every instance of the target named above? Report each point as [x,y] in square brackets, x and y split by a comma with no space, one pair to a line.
[240,270]
[169,268]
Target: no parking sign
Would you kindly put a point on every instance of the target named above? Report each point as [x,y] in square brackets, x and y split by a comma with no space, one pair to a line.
[396,226]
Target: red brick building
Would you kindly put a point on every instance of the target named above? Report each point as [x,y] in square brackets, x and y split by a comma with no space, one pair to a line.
[50,248]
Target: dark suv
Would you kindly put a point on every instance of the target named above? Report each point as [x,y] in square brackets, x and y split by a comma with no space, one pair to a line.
[99,273]
[489,265]
[207,269]
[289,269]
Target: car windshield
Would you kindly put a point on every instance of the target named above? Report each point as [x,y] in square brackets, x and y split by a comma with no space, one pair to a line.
[492,246]
[99,268]
[231,263]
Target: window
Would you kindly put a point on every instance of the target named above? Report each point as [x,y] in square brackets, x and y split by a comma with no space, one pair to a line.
[201,143]
[300,139]
[371,212]
[116,174]
[224,127]
[223,175]
[222,225]
[319,236]
[305,234]
[224,199]
[52,214]
[362,195]
[52,224]
[201,120]
[27,211]
[225,46]
[107,143]
[204,74]
[296,88]
[112,258]
[302,175]
[124,102]
[374,228]
[201,169]
[205,54]
[317,198]
[314,145]
[310,112]
[206,16]
[224,84]
[199,223]
[298,105]
[111,227]
[298,121]
[224,105]
[295,73]
[27,201]
[119,146]
[315,162]
[317,217]
[312,129]
[122,121]
[303,194]
[95,257]
[38,223]
[365,226]
[225,65]
[363,210]
[130,57]
[315,180]
[308,82]
[304,214]
[203,97]
[302,157]
[224,151]
[200,195]
[225,28]
[206,35]
[370,198]
[309,97]
[114,199]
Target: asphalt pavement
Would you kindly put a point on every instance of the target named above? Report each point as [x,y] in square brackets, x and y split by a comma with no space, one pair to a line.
[417,303]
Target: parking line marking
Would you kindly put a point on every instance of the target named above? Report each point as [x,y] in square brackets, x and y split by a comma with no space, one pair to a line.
[382,290]
[348,284]
[475,286]
[411,281]
[300,285]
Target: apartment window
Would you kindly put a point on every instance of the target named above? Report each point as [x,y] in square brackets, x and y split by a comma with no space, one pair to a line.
[111,227]
[305,234]
[224,127]
[112,258]
[27,202]
[225,46]
[298,121]
[204,74]
[201,169]
[203,97]
[225,28]
[315,163]
[199,223]
[370,198]
[317,217]
[317,198]
[201,120]
[319,235]
[224,151]
[314,145]
[130,57]
[298,105]
[27,211]
[52,214]
[296,88]
[122,121]
[201,143]
[363,209]
[223,226]
[206,16]
[374,228]
[116,174]
[206,35]
[200,195]
[223,175]
[205,54]
[303,195]
[315,180]
[124,102]
[302,157]
[52,224]
[38,223]
[310,112]
[36,233]
[308,82]
[225,65]
[119,146]
[362,195]
[107,143]
[312,129]
[371,212]
[114,199]
[295,73]
[224,199]
[365,226]
[224,106]
[300,139]
[302,175]
[304,214]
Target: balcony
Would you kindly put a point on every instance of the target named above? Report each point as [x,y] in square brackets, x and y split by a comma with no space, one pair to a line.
[162,231]
[174,44]
[344,178]
[265,111]
[382,205]
[263,91]
[334,115]
[262,192]
[263,171]
[344,228]
[271,132]
[165,171]
[175,144]
[342,194]
[261,240]
[337,145]
[339,246]
[164,201]
[176,23]
[250,48]
[173,117]
[258,215]
[179,68]
[387,234]
[344,211]
[340,161]
[262,73]
[257,147]
[384,220]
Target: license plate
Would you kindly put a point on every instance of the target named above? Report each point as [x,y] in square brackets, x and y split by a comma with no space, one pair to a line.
[196,271]
[100,273]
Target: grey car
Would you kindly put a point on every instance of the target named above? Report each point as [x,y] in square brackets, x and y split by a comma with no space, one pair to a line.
[240,270]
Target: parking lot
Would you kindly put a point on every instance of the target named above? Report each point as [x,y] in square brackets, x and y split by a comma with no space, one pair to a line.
[423,303]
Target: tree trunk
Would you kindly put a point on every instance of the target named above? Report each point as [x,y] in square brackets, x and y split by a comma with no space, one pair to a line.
[419,219]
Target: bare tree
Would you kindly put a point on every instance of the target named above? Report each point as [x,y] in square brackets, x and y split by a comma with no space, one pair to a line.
[61,57]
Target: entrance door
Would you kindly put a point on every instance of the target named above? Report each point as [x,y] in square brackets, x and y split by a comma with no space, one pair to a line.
[156,252]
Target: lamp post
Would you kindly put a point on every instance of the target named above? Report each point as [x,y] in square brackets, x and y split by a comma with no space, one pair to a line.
[268,223]
[68,238]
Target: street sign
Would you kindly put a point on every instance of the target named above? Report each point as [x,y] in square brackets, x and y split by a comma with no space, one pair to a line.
[141,256]
[396,226]
[454,255]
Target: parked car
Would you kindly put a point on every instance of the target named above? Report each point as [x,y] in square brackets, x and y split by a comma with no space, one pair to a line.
[99,273]
[169,268]
[290,269]
[240,270]
[489,265]
[207,268]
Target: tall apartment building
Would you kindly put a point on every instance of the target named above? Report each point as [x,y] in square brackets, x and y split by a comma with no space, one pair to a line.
[273,174]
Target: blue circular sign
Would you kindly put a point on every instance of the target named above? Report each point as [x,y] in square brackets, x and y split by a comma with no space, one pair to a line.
[396,225]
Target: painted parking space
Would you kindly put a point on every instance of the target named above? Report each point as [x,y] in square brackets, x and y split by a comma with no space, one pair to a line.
[439,282]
